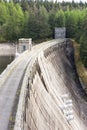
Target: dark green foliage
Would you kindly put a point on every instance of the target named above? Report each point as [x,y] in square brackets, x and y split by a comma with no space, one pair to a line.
[83,42]
[83,51]
[60,19]
[51,22]
[37,24]
[37,19]
[71,23]
[12,21]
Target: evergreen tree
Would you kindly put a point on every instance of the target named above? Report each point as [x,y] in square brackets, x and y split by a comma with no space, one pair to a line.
[71,23]
[3,18]
[38,27]
[14,24]
[60,19]
[51,22]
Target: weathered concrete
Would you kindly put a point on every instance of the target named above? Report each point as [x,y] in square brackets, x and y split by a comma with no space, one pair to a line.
[50,77]
[10,82]
[60,32]
[7,49]
[48,72]
[8,89]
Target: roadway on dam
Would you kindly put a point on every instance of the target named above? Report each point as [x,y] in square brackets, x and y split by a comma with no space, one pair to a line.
[44,111]
[9,87]
[55,78]
[8,92]
[11,80]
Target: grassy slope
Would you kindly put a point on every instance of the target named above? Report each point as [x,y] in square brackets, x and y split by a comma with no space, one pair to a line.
[82,71]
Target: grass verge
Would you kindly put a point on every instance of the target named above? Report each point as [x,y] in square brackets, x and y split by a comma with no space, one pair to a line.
[81,70]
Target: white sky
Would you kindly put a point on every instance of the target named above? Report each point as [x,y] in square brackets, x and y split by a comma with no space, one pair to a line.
[74,0]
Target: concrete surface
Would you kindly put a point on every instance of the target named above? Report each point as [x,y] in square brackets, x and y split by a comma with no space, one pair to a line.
[48,72]
[43,110]
[7,49]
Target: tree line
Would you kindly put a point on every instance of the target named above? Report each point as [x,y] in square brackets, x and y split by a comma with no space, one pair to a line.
[37,19]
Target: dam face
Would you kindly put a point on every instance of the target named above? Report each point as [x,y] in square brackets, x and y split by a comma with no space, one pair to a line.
[53,76]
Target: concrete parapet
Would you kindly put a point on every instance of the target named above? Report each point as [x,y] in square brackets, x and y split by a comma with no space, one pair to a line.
[27,84]
[46,78]
[10,68]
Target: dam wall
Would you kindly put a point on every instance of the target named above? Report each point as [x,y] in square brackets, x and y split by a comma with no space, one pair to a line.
[7,49]
[50,75]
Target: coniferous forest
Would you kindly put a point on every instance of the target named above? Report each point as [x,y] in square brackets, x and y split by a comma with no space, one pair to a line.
[37,19]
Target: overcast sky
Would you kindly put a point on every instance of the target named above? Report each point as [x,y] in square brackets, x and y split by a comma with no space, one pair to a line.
[74,0]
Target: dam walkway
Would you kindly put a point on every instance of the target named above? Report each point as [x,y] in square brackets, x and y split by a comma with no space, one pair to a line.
[10,83]
[31,89]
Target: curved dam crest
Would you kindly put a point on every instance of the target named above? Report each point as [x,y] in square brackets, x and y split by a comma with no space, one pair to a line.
[53,75]
[40,90]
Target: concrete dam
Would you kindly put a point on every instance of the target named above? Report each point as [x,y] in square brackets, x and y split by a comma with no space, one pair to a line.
[40,90]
